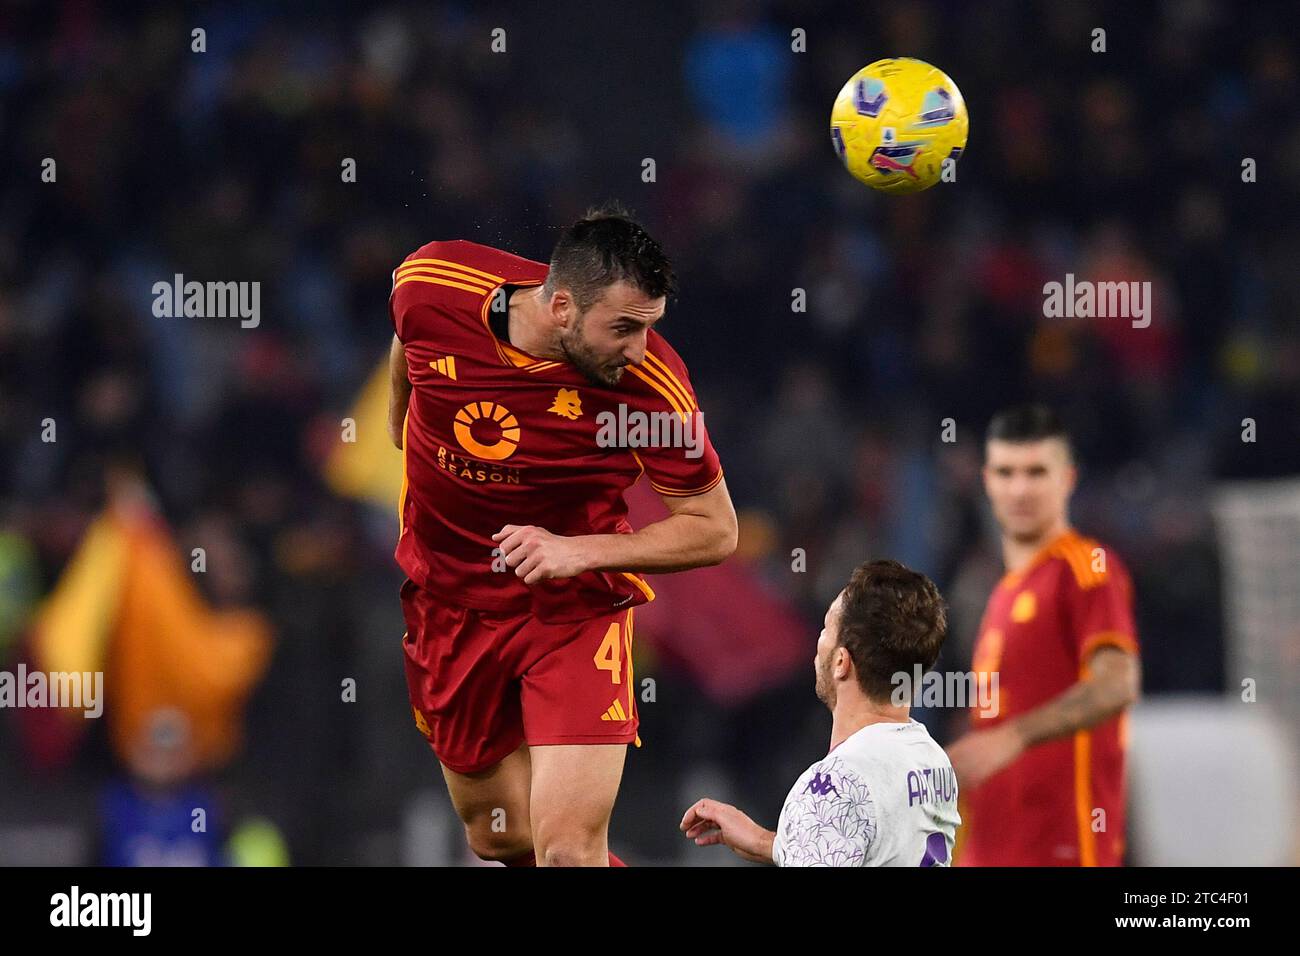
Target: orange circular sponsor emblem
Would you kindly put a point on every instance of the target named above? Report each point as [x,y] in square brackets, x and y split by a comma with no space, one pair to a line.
[498,450]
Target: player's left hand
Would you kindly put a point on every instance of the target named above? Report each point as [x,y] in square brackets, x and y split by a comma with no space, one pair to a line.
[537,555]
[982,753]
[710,822]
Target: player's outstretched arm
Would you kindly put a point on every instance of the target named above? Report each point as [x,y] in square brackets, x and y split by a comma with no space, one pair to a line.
[701,530]
[400,390]
[709,822]
[1112,684]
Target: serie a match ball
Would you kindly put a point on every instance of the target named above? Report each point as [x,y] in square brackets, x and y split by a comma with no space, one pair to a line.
[896,121]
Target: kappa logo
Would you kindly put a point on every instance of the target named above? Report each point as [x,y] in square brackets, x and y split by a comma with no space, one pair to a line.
[498,430]
[820,785]
[567,404]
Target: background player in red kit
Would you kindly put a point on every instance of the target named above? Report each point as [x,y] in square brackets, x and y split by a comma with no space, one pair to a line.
[523,570]
[1042,778]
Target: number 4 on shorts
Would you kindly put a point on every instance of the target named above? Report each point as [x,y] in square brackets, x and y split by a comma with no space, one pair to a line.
[608,655]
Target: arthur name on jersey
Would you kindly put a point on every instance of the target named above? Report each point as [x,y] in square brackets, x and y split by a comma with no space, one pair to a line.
[931,785]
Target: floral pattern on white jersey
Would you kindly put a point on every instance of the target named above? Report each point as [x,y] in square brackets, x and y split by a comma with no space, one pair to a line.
[830,821]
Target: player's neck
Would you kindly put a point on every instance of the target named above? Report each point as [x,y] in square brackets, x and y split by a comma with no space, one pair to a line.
[529,331]
[851,715]
[1018,552]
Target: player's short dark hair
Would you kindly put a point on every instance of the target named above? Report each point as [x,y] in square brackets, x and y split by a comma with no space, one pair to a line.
[891,619]
[1026,423]
[606,246]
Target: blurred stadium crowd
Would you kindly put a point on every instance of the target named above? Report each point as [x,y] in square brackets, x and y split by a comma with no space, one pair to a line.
[225,165]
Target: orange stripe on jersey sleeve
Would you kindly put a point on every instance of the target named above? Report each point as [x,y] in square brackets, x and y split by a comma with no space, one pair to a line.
[688,492]
[1124,642]
[404,272]
[434,280]
[661,389]
[657,366]
[468,271]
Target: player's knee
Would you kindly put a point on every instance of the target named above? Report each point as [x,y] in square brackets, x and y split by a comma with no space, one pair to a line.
[573,849]
[573,854]
[498,846]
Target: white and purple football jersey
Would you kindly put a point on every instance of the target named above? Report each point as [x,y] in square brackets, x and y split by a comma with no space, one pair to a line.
[886,796]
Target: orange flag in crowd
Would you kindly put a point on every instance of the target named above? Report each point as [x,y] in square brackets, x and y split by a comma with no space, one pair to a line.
[127,606]
[369,468]
[171,650]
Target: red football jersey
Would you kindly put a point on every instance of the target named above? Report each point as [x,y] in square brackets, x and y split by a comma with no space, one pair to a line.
[1040,627]
[495,436]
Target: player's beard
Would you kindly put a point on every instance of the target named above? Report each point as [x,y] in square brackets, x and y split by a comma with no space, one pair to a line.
[584,358]
[823,685]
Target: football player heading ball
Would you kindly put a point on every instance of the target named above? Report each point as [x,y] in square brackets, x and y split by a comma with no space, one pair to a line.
[522,569]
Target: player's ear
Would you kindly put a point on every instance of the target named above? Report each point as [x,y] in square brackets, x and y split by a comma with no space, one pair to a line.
[842,663]
[562,307]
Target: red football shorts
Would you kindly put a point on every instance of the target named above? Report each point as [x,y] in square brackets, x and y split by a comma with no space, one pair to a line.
[482,683]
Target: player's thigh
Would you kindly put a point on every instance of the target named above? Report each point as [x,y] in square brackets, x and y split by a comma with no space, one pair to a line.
[574,787]
[579,715]
[494,802]
[465,703]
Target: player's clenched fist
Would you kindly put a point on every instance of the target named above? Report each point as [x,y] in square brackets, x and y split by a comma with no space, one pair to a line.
[537,555]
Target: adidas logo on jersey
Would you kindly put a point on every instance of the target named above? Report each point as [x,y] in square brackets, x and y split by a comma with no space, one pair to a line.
[445,366]
[615,712]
